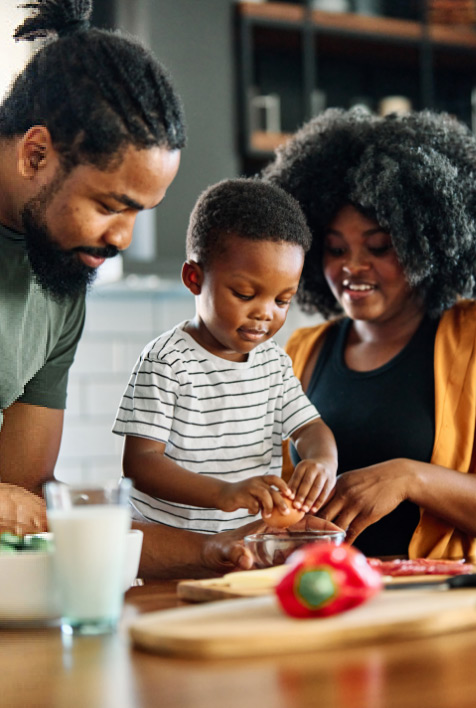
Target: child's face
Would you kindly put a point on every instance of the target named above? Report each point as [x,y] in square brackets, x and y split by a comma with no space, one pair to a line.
[245,295]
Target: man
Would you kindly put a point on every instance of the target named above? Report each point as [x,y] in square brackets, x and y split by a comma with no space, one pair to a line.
[90,135]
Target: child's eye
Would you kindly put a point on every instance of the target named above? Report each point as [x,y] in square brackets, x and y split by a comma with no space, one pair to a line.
[241,296]
[283,303]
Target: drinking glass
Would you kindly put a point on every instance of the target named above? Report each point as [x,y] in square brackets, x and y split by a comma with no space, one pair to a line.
[90,527]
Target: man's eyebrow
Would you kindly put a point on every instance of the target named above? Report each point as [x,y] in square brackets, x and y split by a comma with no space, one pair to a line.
[127,201]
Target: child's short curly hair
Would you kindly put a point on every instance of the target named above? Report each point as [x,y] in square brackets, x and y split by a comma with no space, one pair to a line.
[415,174]
[249,208]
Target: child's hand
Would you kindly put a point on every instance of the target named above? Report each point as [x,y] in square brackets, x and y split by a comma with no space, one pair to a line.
[311,483]
[254,494]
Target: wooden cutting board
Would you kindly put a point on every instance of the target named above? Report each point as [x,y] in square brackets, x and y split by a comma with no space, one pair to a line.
[256,626]
[255,583]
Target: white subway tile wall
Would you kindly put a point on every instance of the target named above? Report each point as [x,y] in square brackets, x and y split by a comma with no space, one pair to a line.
[120,321]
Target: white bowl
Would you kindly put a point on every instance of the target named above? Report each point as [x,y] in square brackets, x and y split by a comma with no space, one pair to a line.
[27,587]
[133,551]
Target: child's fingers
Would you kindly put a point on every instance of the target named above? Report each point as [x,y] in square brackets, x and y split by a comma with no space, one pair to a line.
[253,506]
[264,500]
[322,497]
[300,482]
[304,497]
[294,482]
[279,502]
[315,497]
[278,482]
[309,489]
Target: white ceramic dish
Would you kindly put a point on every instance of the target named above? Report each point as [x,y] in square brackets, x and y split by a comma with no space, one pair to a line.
[27,589]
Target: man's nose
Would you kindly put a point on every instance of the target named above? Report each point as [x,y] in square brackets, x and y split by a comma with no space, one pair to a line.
[120,233]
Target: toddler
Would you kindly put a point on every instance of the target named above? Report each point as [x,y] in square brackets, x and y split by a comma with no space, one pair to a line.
[210,401]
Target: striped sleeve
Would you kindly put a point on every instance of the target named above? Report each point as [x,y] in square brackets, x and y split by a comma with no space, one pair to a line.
[148,404]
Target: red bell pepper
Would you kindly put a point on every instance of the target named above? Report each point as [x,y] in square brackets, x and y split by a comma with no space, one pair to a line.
[325,579]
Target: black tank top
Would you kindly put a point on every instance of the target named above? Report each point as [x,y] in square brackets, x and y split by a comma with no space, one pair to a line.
[379,415]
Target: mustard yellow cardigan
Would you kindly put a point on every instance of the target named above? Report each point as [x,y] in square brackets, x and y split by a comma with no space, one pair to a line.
[455,418]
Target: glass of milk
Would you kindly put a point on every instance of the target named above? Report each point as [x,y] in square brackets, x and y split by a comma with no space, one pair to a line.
[90,527]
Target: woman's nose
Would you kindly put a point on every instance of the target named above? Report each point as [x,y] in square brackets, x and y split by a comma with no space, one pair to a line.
[355,263]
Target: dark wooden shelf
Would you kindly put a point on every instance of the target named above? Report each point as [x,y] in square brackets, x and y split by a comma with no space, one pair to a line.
[266,142]
[289,50]
[360,26]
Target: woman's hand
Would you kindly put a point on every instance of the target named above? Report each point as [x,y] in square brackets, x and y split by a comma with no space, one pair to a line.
[362,497]
[21,511]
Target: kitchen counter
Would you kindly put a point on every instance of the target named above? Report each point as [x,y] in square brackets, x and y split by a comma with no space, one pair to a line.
[40,668]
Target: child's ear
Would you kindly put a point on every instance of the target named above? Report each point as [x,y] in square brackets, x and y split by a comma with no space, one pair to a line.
[192,277]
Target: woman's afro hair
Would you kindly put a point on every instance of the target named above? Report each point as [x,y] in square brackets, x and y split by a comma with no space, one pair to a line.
[415,174]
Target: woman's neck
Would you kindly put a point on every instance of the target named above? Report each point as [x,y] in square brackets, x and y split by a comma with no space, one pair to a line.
[372,344]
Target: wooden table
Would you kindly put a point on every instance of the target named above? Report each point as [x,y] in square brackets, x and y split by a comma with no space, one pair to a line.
[41,669]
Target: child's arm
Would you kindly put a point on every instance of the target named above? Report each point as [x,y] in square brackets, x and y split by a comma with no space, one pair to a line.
[314,476]
[154,474]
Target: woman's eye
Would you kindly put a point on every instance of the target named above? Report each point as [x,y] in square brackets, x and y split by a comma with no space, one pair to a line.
[334,251]
[380,250]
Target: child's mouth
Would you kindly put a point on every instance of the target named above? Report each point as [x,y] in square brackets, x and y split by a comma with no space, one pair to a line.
[252,335]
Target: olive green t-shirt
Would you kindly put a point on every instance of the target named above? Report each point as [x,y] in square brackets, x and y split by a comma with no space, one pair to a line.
[38,336]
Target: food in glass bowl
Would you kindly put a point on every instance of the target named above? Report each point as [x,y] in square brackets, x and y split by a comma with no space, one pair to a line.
[271,549]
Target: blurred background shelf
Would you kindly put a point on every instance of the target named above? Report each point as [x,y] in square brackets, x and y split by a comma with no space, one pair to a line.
[294,61]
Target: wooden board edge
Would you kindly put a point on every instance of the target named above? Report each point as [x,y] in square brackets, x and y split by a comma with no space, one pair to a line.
[436,622]
[455,620]
[218,588]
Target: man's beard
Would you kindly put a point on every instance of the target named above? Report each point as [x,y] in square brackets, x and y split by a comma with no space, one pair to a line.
[59,272]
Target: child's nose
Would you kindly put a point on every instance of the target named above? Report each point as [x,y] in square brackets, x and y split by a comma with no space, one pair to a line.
[263,311]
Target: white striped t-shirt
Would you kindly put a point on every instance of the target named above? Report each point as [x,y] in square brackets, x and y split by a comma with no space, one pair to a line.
[216,417]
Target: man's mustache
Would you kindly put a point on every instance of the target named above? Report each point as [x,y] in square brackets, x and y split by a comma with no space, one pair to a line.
[106,252]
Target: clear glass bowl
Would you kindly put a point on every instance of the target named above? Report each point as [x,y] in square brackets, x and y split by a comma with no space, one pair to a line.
[270,549]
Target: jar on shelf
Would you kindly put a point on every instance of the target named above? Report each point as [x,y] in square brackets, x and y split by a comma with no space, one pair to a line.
[331,5]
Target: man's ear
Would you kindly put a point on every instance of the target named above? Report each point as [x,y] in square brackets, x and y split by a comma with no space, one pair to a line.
[35,152]
[192,277]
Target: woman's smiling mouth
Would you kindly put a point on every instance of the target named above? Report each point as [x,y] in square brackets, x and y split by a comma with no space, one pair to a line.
[357,291]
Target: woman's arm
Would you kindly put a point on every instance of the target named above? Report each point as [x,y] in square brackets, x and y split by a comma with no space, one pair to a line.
[362,497]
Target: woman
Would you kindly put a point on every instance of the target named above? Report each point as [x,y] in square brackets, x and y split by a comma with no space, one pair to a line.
[391,203]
